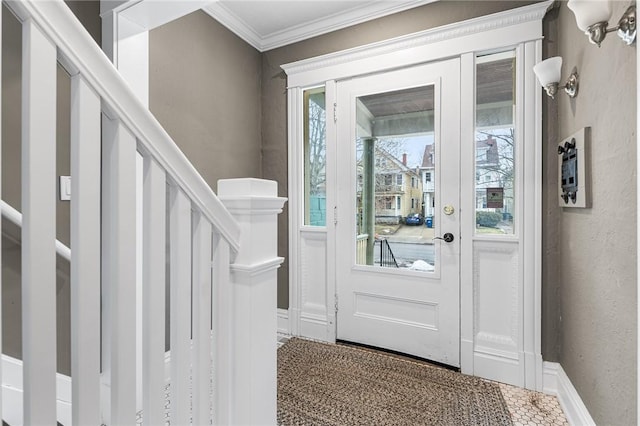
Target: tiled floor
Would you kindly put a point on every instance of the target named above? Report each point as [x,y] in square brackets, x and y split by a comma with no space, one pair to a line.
[529,408]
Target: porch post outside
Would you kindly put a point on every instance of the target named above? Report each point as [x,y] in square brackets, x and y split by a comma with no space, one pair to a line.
[255,205]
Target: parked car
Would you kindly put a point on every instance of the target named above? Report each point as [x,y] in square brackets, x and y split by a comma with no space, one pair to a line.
[414,219]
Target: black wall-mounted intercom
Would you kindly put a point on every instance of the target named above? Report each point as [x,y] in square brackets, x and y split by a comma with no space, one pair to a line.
[573,169]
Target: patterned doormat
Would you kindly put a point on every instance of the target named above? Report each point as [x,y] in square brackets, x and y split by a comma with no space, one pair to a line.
[326,384]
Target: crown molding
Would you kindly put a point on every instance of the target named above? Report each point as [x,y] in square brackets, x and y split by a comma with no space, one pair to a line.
[530,13]
[236,25]
[306,30]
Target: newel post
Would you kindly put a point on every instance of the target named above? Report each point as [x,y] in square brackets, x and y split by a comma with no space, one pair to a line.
[255,205]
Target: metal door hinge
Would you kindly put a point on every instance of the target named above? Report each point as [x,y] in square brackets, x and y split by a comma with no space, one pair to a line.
[335,112]
[336,303]
[335,215]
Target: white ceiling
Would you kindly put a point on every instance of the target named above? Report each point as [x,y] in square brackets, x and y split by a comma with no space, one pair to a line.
[267,24]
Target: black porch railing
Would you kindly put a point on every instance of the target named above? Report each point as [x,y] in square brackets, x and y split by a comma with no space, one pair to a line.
[386,255]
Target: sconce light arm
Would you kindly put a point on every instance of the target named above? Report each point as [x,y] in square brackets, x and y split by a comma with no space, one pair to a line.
[626,28]
[570,87]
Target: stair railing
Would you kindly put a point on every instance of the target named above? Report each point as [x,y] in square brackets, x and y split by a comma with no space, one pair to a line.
[222,253]
[15,217]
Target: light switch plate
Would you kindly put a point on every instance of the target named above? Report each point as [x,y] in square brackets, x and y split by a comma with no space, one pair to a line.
[65,188]
[579,179]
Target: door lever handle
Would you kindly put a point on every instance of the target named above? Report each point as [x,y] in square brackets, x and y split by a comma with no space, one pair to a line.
[447,238]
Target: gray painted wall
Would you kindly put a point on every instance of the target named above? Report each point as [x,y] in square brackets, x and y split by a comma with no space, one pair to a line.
[205,91]
[550,288]
[204,88]
[592,257]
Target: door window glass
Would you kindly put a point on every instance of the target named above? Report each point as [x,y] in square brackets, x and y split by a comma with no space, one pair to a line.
[395,147]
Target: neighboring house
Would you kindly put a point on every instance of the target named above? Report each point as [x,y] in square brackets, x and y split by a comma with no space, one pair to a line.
[398,189]
[428,176]
[488,173]
[493,170]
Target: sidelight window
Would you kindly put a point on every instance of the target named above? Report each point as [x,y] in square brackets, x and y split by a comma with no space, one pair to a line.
[495,139]
[315,157]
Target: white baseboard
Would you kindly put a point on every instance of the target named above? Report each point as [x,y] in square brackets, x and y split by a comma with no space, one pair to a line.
[550,378]
[12,393]
[314,327]
[556,382]
[497,365]
[283,322]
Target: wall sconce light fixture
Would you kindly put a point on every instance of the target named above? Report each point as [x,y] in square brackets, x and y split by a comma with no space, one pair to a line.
[548,73]
[592,17]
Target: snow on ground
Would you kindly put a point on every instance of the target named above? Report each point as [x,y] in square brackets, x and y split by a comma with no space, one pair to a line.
[421,265]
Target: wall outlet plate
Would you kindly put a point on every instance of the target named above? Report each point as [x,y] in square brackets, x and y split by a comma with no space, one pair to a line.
[574,170]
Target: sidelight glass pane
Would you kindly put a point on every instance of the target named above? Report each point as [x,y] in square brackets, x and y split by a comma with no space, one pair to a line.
[495,140]
[315,157]
[395,167]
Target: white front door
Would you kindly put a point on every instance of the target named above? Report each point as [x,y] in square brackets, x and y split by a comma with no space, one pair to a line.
[398,146]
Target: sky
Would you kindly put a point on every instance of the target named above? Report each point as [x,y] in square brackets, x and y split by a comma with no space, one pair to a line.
[413,146]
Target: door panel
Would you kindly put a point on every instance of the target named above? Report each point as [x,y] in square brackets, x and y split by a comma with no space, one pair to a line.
[398,168]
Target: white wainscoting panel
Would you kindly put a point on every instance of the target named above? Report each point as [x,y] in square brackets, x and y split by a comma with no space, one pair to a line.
[314,304]
[497,298]
[396,309]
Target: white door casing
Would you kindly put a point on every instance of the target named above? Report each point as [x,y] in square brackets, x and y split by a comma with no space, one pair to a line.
[500,281]
[413,312]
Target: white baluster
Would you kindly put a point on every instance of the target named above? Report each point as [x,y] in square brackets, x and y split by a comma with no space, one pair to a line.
[201,320]
[180,266]
[153,304]
[38,226]
[222,324]
[85,243]
[119,272]
[1,416]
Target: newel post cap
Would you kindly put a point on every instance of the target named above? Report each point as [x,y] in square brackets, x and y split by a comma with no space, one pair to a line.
[247,187]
